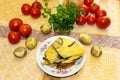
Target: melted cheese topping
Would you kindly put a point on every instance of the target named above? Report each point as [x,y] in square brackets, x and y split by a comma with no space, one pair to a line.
[68,51]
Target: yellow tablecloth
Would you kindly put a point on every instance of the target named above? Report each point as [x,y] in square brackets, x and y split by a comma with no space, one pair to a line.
[106,67]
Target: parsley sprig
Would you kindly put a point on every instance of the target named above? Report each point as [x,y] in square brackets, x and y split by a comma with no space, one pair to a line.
[46,10]
[64,19]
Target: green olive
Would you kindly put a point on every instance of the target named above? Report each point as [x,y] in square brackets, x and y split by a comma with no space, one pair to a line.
[96,51]
[31,43]
[20,52]
[85,38]
[46,28]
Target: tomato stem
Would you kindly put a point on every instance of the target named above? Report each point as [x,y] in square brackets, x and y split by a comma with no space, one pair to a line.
[82,12]
[94,4]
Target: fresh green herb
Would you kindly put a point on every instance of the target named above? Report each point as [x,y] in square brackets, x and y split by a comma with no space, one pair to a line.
[46,2]
[46,12]
[64,19]
[44,15]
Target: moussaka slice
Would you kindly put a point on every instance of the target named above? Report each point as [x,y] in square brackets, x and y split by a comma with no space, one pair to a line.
[63,52]
[52,56]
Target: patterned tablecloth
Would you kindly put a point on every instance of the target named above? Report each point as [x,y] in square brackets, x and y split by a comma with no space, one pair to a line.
[106,67]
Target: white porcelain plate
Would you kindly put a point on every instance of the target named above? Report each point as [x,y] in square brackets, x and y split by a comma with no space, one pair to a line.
[53,71]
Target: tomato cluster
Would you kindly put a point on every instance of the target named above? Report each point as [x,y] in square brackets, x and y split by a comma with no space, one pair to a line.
[34,10]
[16,25]
[91,13]
[18,29]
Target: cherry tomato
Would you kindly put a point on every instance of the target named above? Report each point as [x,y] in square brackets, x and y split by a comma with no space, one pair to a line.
[100,13]
[94,7]
[25,30]
[81,19]
[15,23]
[88,2]
[35,12]
[26,9]
[84,8]
[103,22]
[14,37]
[36,5]
[91,19]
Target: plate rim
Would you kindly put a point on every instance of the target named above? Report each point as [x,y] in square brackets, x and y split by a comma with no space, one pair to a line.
[55,75]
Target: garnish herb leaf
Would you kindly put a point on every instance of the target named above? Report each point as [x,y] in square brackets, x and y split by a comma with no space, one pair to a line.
[46,12]
[44,15]
[46,2]
[64,19]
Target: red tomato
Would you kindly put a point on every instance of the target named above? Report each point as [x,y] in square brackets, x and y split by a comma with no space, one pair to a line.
[25,30]
[36,5]
[88,2]
[35,12]
[81,20]
[14,37]
[15,23]
[91,19]
[26,9]
[94,7]
[100,13]
[84,8]
[103,22]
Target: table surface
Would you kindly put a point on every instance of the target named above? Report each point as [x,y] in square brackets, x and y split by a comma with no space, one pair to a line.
[106,67]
